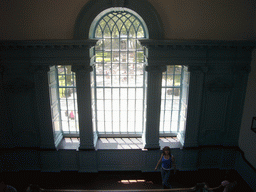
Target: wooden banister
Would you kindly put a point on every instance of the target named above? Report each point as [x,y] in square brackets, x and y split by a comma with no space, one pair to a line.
[127,190]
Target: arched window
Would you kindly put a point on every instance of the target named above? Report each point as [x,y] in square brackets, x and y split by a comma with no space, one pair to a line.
[118,80]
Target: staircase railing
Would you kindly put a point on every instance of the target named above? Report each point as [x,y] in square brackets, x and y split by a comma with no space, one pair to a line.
[200,187]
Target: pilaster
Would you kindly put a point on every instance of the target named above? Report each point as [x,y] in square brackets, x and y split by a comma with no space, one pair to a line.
[43,106]
[84,105]
[196,83]
[151,137]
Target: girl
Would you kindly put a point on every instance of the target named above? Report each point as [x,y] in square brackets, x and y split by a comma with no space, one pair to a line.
[168,161]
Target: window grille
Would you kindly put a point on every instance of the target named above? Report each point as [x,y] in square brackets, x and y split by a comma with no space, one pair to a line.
[118,76]
[68,100]
[172,83]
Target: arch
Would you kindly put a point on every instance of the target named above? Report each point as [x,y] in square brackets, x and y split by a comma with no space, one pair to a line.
[142,7]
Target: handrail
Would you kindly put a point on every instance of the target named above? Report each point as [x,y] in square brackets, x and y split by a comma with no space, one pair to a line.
[126,190]
[194,189]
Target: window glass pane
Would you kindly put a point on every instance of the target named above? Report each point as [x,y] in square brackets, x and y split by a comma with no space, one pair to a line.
[100,115]
[140,56]
[123,104]
[99,69]
[99,80]
[108,104]
[100,126]
[99,93]
[99,56]
[139,105]
[131,93]
[65,126]
[169,80]
[139,80]
[108,115]
[115,126]
[100,104]
[131,80]
[131,115]
[177,80]
[115,93]
[139,93]
[115,81]
[131,104]
[107,93]
[176,104]
[123,92]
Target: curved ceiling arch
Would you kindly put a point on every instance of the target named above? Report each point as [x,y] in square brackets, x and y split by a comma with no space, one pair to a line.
[142,7]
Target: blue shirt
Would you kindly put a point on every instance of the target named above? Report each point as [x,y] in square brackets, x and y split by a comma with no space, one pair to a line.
[167,163]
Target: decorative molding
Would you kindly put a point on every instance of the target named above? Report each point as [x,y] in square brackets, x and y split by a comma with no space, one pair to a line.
[197,68]
[39,69]
[47,44]
[198,44]
[156,68]
[18,85]
[77,68]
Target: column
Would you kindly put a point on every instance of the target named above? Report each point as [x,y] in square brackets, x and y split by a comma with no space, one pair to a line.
[83,84]
[43,106]
[151,137]
[194,105]
[6,136]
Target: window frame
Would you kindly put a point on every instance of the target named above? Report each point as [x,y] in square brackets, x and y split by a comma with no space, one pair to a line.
[93,29]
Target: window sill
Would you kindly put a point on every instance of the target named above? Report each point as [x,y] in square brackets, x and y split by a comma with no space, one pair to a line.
[118,143]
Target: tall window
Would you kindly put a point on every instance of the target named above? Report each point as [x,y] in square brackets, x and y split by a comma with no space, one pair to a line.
[67,100]
[118,79]
[173,99]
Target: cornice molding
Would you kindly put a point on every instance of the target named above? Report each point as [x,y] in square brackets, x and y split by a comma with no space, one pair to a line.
[39,69]
[198,44]
[156,68]
[79,68]
[46,44]
[198,68]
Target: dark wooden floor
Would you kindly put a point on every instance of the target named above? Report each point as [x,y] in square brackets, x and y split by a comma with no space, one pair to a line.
[115,180]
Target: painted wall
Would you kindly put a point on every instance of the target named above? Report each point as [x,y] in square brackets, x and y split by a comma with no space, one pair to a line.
[186,19]
[247,139]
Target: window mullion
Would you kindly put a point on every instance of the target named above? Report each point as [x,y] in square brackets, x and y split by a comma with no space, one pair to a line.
[111,89]
[58,93]
[173,81]
[65,75]
[103,80]
[127,84]
[181,90]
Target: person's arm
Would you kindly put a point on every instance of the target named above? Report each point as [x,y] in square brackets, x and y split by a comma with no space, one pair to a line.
[159,162]
[174,163]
